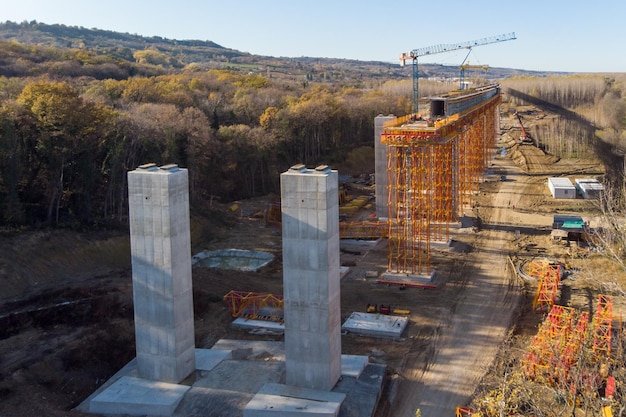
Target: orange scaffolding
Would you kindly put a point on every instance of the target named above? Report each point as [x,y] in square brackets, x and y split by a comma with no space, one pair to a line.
[557,347]
[363,230]
[602,328]
[549,275]
[254,305]
[432,168]
[553,351]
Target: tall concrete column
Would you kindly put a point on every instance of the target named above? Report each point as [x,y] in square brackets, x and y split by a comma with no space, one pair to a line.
[380,165]
[161,264]
[312,311]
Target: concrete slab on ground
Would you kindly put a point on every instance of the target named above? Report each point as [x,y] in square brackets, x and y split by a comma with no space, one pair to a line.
[363,392]
[360,242]
[207,359]
[247,376]
[378,325]
[277,400]
[409,279]
[255,349]
[226,386]
[244,323]
[343,271]
[352,365]
[138,397]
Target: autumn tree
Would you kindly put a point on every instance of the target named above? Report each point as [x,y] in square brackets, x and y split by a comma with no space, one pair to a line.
[67,132]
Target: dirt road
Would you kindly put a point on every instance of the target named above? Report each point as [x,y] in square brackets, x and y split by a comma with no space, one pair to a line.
[470,331]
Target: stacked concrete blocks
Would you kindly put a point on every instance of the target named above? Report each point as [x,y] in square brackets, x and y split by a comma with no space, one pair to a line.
[310,225]
[161,265]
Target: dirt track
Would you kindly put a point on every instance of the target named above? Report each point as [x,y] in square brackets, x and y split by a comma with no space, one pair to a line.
[469,332]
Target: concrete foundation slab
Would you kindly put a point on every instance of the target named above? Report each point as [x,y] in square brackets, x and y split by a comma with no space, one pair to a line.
[207,359]
[343,271]
[360,242]
[237,259]
[362,393]
[246,366]
[256,348]
[213,402]
[378,325]
[283,400]
[258,324]
[409,278]
[137,397]
[246,376]
[353,365]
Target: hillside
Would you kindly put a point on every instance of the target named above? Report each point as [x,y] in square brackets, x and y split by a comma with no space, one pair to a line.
[116,46]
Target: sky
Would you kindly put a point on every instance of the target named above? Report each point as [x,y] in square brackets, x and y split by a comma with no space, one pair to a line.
[551,35]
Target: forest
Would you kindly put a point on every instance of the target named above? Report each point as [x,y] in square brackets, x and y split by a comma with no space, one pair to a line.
[74,121]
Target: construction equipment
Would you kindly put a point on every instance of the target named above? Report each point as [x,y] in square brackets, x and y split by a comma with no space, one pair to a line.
[525,136]
[438,49]
[386,309]
[464,412]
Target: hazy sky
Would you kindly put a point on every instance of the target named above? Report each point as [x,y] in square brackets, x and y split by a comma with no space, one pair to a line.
[552,35]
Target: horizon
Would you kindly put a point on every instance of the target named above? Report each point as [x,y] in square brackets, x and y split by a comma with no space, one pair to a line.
[348,30]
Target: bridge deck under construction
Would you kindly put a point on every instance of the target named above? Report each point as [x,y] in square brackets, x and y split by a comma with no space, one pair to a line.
[434,164]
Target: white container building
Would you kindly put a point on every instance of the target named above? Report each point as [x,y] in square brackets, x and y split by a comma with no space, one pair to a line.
[561,187]
[589,187]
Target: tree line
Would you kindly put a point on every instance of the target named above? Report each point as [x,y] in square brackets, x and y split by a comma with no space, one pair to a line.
[66,144]
[67,138]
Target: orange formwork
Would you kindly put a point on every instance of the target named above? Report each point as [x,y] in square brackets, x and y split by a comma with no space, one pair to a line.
[602,328]
[254,305]
[563,336]
[553,350]
[431,167]
[549,276]
[363,230]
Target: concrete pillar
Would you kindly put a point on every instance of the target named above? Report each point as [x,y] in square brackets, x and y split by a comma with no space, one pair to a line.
[161,264]
[380,155]
[310,223]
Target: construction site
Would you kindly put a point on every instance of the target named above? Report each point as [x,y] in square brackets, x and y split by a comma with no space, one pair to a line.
[392,294]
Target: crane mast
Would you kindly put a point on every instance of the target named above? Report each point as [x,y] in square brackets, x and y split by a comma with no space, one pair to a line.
[441,48]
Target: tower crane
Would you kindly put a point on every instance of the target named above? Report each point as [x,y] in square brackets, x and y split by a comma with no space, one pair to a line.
[438,49]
